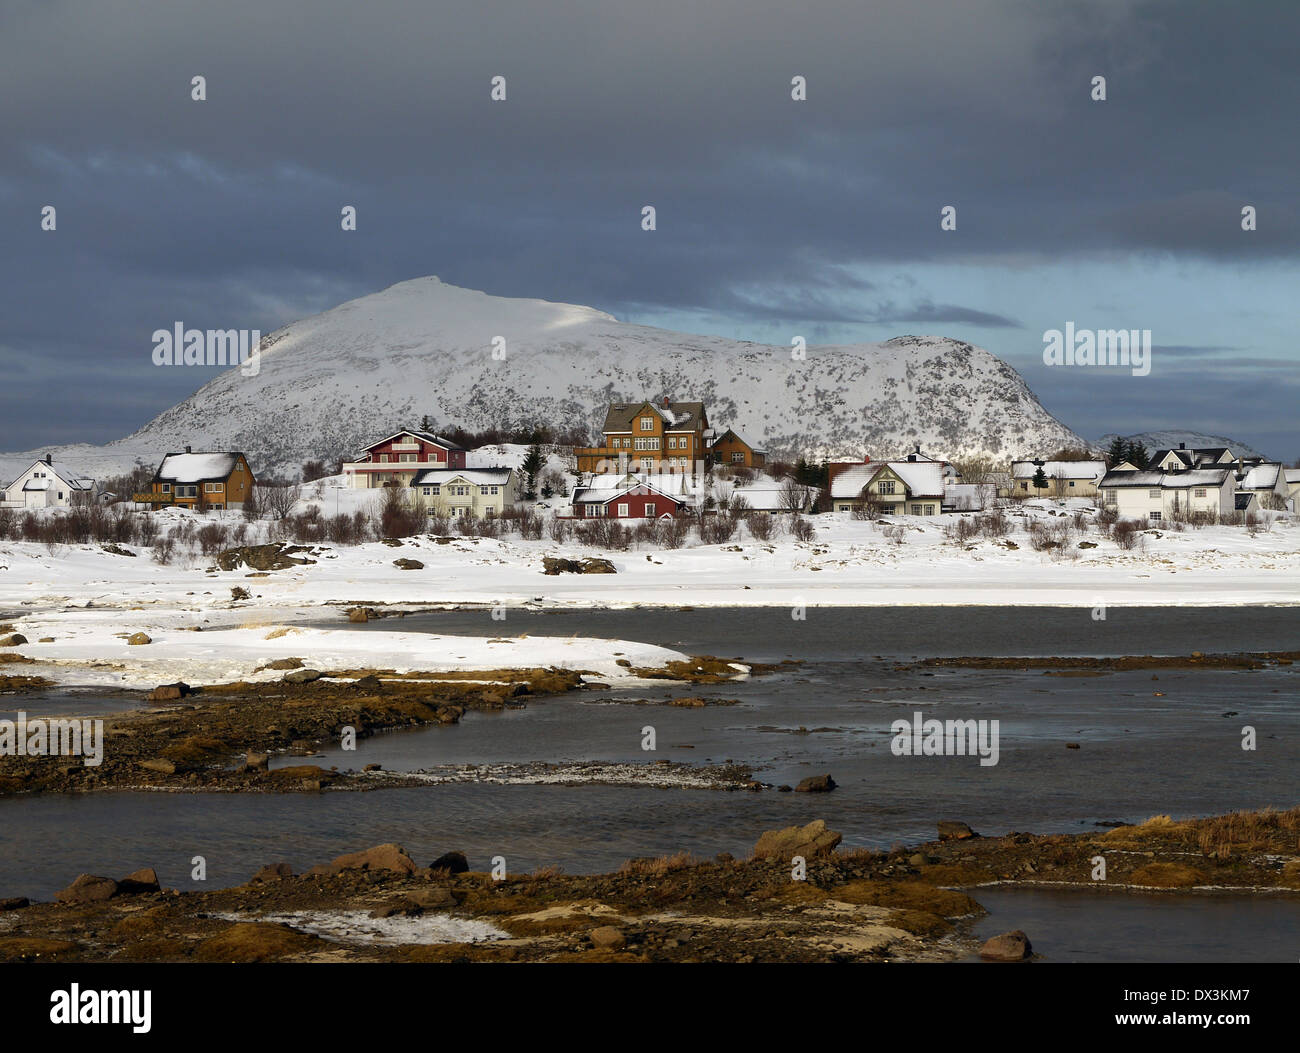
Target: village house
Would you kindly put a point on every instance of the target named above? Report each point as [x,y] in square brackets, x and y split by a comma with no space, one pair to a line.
[47,484]
[731,448]
[1173,460]
[480,493]
[1064,478]
[399,458]
[663,436]
[633,496]
[214,480]
[910,487]
[768,498]
[1292,476]
[1159,495]
[1267,481]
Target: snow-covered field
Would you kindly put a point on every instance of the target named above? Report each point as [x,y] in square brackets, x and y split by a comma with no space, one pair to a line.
[89,599]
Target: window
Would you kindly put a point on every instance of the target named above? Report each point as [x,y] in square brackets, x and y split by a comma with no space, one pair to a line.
[1024,486]
[1155,517]
[929,510]
[672,443]
[648,463]
[1071,482]
[916,510]
[427,491]
[647,444]
[738,457]
[60,496]
[166,488]
[1153,493]
[593,511]
[495,491]
[647,424]
[212,488]
[1109,496]
[1199,492]
[622,511]
[483,491]
[383,458]
[886,486]
[650,508]
[406,457]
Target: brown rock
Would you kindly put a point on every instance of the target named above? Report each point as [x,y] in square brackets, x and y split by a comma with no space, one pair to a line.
[13,903]
[12,640]
[408,564]
[88,888]
[256,761]
[437,898]
[389,857]
[139,881]
[159,764]
[361,614]
[452,862]
[135,639]
[272,872]
[952,830]
[1009,947]
[608,938]
[168,692]
[808,841]
[816,784]
[302,676]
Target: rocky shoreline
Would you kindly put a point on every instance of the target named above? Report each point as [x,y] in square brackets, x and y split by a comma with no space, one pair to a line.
[908,904]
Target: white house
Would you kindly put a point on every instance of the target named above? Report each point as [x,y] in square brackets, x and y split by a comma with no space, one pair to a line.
[910,487]
[1158,496]
[47,484]
[1267,482]
[1293,487]
[1064,478]
[482,493]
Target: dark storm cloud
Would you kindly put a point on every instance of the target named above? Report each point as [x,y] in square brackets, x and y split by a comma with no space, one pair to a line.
[225,212]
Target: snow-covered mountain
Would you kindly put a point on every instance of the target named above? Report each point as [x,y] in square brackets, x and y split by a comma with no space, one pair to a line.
[331,382]
[1169,439]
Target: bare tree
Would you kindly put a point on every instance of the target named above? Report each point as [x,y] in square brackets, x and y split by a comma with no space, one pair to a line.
[793,496]
[277,500]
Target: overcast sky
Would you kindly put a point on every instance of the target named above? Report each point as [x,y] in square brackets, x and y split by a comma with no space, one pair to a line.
[775,217]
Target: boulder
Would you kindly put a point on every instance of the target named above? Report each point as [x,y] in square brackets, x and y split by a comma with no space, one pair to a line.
[302,676]
[595,565]
[808,841]
[437,898]
[168,692]
[452,862]
[952,830]
[136,639]
[239,593]
[88,888]
[161,765]
[1009,947]
[284,663]
[143,880]
[12,640]
[14,903]
[390,857]
[272,872]
[256,761]
[262,557]
[816,784]
[408,564]
[608,938]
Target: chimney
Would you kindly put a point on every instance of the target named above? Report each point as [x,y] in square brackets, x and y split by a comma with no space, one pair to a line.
[49,458]
[1182,445]
[188,450]
[667,402]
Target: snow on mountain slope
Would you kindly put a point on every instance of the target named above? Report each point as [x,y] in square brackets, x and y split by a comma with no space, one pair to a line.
[367,367]
[1170,438]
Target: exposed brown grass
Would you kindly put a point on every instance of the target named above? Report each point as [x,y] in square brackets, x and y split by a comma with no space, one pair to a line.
[1167,875]
[659,866]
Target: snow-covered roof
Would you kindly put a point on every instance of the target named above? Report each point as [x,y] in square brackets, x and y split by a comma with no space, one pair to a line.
[740,438]
[677,415]
[476,476]
[1092,470]
[923,478]
[849,483]
[196,467]
[1179,480]
[1261,477]
[602,495]
[57,468]
[437,440]
[768,498]
[1293,475]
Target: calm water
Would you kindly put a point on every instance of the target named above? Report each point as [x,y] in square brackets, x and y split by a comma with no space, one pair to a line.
[1142,753]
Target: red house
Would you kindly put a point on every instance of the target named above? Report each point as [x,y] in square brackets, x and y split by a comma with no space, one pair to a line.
[631,500]
[398,458]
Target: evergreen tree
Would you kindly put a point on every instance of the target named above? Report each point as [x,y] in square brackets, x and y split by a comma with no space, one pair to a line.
[1040,479]
[532,465]
[1138,454]
[425,423]
[1117,453]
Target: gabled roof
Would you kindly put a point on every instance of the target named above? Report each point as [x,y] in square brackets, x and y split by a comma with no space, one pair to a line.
[603,495]
[437,440]
[922,478]
[1261,477]
[1202,455]
[677,416]
[197,467]
[477,476]
[738,437]
[57,468]
[1180,480]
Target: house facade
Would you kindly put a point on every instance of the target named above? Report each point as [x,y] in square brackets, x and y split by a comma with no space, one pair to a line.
[213,480]
[397,459]
[1179,458]
[731,448]
[1267,481]
[1064,478]
[1160,496]
[911,487]
[663,436]
[47,483]
[481,493]
[632,497]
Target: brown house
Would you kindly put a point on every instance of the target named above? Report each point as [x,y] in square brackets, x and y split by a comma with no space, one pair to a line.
[662,436]
[201,480]
[731,448]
